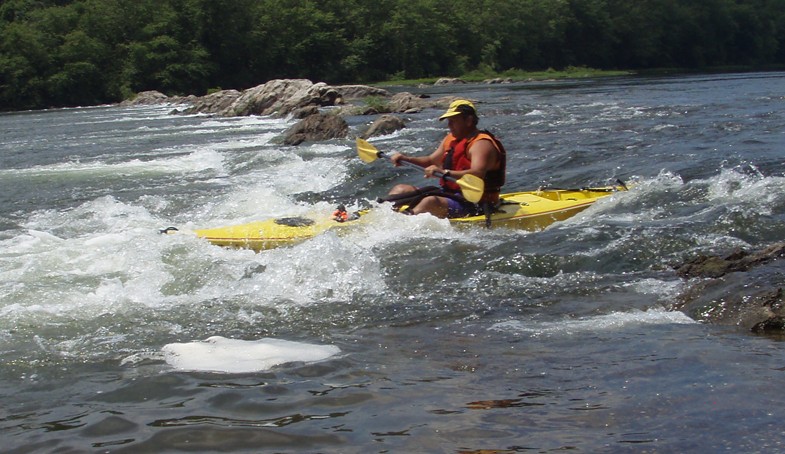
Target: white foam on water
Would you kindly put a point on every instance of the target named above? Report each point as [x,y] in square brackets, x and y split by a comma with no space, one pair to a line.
[106,258]
[254,121]
[325,149]
[255,140]
[253,203]
[328,267]
[665,290]
[268,193]
[317,175]
[334,266]
[385,226]
[608,322]
[200,160]
[746,189]
[100,114]
[103,257]
[233,356]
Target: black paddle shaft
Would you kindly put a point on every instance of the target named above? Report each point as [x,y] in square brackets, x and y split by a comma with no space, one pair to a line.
[415,166]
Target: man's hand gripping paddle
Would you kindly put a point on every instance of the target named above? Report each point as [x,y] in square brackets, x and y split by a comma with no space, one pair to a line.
[472,187]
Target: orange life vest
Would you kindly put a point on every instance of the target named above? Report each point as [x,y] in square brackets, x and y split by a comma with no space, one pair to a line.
[457,158]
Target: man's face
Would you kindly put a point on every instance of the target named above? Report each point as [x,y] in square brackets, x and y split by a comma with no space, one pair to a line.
[460,125]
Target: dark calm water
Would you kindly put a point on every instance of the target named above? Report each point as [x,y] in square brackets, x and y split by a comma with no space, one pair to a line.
[426,338]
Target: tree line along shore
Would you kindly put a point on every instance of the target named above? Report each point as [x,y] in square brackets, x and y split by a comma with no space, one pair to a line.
[56,53]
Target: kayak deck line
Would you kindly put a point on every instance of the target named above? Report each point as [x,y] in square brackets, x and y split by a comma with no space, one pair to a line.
[529,210]
[583,205]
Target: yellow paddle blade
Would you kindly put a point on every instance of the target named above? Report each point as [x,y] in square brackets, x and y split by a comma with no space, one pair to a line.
[472,187]
[366,151]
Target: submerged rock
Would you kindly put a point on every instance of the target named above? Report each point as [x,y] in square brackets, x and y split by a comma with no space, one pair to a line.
[742,288]
[738,260]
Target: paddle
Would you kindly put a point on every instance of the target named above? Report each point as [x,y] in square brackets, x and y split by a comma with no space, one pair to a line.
[472,187]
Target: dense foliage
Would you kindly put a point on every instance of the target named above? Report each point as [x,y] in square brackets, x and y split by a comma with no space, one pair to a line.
[77,52]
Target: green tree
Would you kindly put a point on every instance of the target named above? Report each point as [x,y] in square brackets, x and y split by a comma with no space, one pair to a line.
[24,60]
[590,35]
[226,30]
[164,55]
[68,52]
[79,77]
[299,38]
[421,38]
[754,33]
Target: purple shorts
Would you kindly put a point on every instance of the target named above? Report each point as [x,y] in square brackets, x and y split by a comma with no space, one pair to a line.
[457,209]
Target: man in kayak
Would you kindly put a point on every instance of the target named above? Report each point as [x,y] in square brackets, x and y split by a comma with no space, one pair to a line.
[465,150]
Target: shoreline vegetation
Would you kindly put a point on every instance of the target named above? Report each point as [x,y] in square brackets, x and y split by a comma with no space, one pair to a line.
[512,75]
[56,53]
[516,75]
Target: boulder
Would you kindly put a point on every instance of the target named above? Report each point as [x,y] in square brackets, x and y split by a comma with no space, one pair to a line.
[406,102]
[281,97]
[214,103]
[449,81]
[146,98]
[360,91]
[305,112]
[386,124]
[321,126]
[497,80]
[278,97]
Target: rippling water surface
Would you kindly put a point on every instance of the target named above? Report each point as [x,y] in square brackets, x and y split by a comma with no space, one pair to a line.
[404,335]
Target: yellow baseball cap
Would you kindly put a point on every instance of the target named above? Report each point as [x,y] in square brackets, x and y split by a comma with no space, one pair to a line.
[459,107]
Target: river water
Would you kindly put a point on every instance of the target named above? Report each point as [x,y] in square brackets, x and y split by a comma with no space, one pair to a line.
[404,335]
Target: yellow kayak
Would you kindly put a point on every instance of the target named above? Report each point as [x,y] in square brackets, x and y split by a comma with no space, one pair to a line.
[267,234]
[532,211]
[535,210]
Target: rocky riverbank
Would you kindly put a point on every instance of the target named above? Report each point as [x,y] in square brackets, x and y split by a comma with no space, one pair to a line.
[320,107]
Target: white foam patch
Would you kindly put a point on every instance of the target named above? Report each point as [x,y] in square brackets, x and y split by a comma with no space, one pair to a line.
[327,267]
[252,204]
[219,354]
[255,141]
[385,226]
[326,149]
[297,176]
[747,189]
[199,161]
[103,257]
[664,289]
[612,321]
